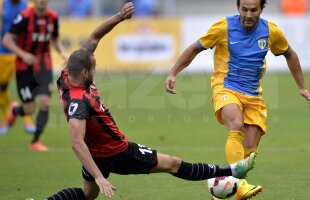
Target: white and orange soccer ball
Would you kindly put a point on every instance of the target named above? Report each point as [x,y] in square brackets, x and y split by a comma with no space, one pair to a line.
[223,187]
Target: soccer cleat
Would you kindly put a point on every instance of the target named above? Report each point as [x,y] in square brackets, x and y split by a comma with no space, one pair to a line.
[29,128]
[246,191]
[28,124]
[37,146]
[243,166]
[4,128]
[11,115]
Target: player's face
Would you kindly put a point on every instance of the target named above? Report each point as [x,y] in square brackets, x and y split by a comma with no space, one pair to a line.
[250,11]
[41,5]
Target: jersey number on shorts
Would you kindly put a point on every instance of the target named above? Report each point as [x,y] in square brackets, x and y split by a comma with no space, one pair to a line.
[25,93]
[143,149]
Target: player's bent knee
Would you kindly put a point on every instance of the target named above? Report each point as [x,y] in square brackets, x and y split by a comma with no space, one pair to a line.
[175,164]
[29,108]
[236,125]
[91,196]
[91,190]
[44,105]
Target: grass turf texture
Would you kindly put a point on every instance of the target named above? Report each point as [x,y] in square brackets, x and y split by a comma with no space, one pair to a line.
[183,125]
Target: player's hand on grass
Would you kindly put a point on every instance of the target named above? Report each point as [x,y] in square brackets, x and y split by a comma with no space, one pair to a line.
[105,186]
[29,58]
[306,94]
[127,10]
[170,81]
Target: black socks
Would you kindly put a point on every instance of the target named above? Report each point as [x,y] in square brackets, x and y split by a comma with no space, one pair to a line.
[201,171]
[68,194]
[41,121]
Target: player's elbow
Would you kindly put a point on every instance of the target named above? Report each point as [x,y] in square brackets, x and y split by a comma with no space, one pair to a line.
[76,146]
[5,40]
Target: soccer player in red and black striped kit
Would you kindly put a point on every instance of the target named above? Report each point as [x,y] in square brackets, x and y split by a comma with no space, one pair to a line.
[99,144]
[34,29]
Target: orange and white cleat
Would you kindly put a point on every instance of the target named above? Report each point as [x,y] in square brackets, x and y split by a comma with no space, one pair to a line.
[11,115]
[37,146]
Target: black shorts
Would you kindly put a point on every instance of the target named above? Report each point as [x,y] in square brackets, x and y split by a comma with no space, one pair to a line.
[136,159]
[30,84]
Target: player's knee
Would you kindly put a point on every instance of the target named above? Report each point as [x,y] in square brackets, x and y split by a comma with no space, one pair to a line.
[91,193]
[175,163]
[91,196]
[44,105]
[236,125]
[29,108]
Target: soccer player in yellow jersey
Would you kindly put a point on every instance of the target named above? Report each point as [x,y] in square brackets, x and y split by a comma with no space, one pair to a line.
[241,43]
[8,11]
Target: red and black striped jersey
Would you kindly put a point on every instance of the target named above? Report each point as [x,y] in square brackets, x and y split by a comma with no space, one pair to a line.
[33,34]
[102,136]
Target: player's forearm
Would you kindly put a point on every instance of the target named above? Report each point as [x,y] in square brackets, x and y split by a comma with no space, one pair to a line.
[100,31]
[104,28]
[59,48]
[185,59]
[295,68]
[83,154]
[77,133]
[8,42]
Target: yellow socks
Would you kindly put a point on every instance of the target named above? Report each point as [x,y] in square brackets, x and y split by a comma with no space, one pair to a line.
[28,119]
[248,151]
[234,147]
[4,105]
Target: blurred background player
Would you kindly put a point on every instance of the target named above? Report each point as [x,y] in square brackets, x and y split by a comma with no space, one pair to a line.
[34,29]
[8,11]
[241,44]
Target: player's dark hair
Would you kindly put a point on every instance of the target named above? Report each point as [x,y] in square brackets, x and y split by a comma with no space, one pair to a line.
[262,3]
[79,60]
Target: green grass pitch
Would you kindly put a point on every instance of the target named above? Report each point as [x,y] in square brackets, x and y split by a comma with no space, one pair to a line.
[182,125]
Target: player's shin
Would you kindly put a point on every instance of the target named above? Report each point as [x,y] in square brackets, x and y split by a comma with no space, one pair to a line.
[68,194]
[234,147]
[201,171]
[41,121]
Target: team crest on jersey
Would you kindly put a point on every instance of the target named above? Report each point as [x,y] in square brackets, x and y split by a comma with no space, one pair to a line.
[224,97]
[72,108]
[262,43]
